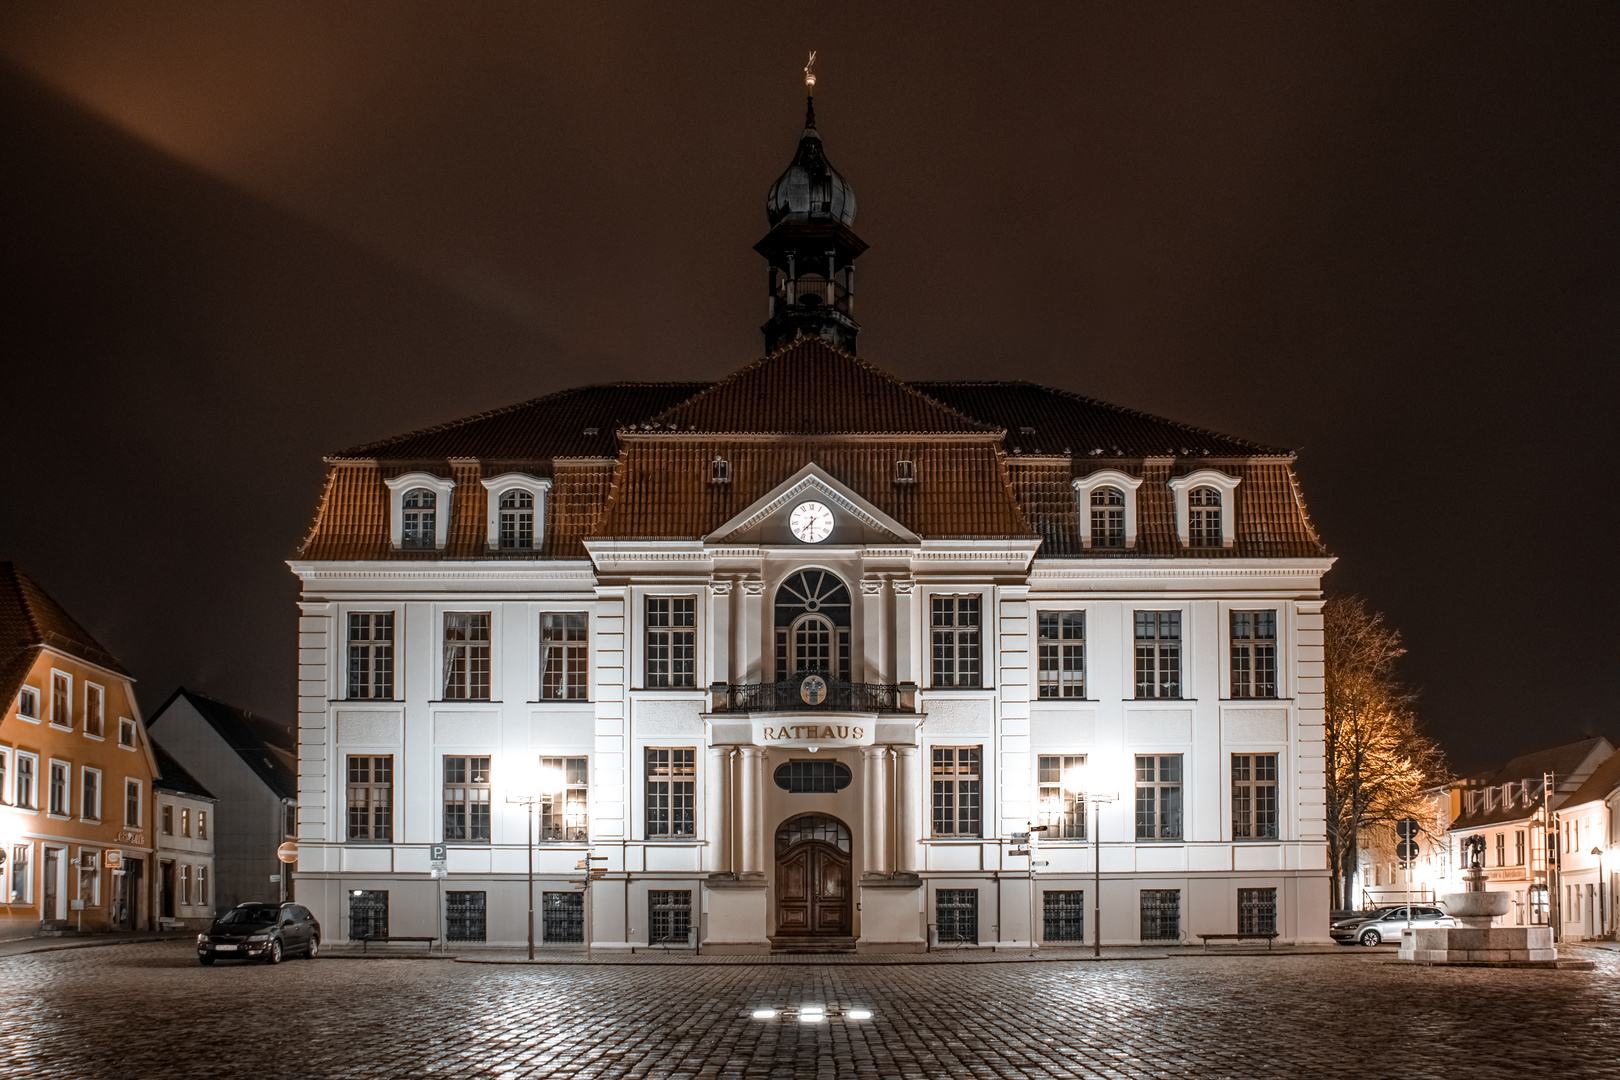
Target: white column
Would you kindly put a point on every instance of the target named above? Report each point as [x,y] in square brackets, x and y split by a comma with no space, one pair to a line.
[875,813]
[752,670]
[716,804]
[905,668]
[908,799]
[751,809]
[720,631]
[873,669]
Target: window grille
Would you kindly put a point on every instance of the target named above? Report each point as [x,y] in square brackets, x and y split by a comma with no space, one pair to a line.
[562,917]
[419,528]
[61,700]
[466,799]
[1257,911]
[368,915]
[564,653]
[957,784]
[464,916]
[92,710]
[1107,517]
[1254,654]
[669,916]
[956,641]
[671,791]
[517,520]
[1161,914]
[905,472]
[1254,796]
[1063,812]
[956,916]
[1158,654]
[1204,518]
[812,777]
[1158,797]
[466,655]
[371,797]
[1065,915]
[371,655]
[720,471]
[671,641]
[563,814]
[1061,653]
[58,800]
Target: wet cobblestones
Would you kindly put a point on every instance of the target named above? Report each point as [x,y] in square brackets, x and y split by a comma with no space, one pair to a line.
[148,1010]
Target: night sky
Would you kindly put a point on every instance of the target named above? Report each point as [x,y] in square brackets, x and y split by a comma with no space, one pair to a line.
[234,237]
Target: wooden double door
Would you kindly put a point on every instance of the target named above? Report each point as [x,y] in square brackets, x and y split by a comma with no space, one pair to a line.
[814,887]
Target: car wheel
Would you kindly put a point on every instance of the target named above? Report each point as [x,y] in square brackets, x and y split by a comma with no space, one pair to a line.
[272,955]
[314,947]
[1371,937]
[206,961]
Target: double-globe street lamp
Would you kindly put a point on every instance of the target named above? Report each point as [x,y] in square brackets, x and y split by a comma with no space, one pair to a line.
[531,785]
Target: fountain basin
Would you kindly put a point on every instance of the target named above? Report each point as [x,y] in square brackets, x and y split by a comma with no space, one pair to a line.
[1476,909]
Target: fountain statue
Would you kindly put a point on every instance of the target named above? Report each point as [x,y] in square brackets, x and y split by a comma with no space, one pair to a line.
[1477,941]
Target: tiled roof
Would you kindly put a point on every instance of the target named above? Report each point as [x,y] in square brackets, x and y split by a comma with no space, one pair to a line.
[172,776]
[812,388]
[1073,426]
[663,488]
[1604,779]
[30,619]
[1562,761]
[268,747]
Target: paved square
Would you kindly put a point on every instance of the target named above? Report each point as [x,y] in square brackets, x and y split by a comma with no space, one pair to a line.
[150,1011]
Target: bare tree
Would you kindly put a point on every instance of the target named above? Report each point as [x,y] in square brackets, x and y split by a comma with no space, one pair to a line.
[1378,761]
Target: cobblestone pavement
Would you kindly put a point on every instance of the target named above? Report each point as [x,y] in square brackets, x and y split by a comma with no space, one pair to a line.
[148,1010]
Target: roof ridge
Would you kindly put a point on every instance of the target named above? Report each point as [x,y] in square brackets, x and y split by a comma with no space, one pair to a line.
[30,597]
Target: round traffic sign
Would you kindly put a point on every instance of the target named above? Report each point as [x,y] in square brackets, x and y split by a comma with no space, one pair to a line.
[288,852]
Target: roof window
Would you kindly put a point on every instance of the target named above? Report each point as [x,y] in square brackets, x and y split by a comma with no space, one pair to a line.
[905,472]
[719,471]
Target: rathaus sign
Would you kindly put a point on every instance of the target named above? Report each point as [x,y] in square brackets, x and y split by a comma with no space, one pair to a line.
[799,657]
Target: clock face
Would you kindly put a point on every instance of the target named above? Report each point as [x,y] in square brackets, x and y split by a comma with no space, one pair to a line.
[811,522]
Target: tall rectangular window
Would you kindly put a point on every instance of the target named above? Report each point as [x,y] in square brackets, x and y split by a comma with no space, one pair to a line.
[1063,811]
[93,710]
[126,732]
[466,799]
[563,812]
[1518,848]
[1158,654]
[90,795]
[185,821]
[466,656]
[168,820]
[202,824]
[202,885]
[21,879]
[1501,849]
[371,654]
[28,703]
[1061,647]
[956,641]
[59,788]
[1254,654]
[1158,796]
[1204,518]
[185,884]
[1107,517]
[371,797]
[61,700]
[1254,796]
[132,804]
[671,641]
[563,656]
[26,789]
[958,784]
[89,877]
[671,791]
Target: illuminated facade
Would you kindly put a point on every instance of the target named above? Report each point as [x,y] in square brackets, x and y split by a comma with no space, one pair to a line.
[800,655]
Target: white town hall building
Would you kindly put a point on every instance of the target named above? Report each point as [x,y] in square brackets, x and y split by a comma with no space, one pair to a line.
[800,656]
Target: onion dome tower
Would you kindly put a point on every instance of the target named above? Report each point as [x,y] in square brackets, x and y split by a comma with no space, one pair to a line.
[811,249]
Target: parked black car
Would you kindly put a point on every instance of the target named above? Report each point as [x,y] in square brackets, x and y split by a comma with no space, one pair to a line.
[265,932]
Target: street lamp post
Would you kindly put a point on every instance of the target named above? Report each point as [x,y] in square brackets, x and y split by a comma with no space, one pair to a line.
[529,786]
[1089,783]
[1602,922]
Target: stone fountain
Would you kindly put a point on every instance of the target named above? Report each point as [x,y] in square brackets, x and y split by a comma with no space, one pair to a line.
[1477,942]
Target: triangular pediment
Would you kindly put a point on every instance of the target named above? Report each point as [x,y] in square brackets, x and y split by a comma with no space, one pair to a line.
[855,519]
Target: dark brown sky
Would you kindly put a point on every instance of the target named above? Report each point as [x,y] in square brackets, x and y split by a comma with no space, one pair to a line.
[234,236]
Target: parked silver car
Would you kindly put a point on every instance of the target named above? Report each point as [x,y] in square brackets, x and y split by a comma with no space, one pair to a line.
[1386,924]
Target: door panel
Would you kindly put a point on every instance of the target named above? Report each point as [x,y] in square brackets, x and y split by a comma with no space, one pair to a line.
[813,891]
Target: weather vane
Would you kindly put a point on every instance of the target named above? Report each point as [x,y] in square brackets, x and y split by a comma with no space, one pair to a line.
[809,75]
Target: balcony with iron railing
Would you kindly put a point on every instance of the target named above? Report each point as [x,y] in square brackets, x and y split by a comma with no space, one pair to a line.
[814,692]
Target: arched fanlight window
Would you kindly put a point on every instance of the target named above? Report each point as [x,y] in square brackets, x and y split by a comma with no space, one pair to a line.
[1107,517]
[517,520]
[420,519]
[812,829]
[812,626]
[1204,517]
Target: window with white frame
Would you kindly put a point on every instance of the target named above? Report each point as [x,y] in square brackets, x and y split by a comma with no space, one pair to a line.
[516,520]
[371,654]
[564,655]
[1158,654]
[57,802]
[202,824]
[1254,654]
[1107,517]
[466,656]
[371,797]
[1254,796]
[185,884]
[466,799]
[563,811]
[719,471]
[1060,641]
[202,886]
[61,699]
[1204,500]
[957,659]
[22,882]
[90,877]
[168,819]
[1204,517]
[126,732]
[420,522]
[132,803]
[671,657]
[1158,796]
[671,791]
[1063,809]
[90,794]
[94,707]
[5,775]
[1107,510]
[958,782]
[185,821]
[420,510]
[28,703]
[27,797]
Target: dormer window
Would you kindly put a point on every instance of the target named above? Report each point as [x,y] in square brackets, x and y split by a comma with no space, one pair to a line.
[720,471]
[517,512]
[421,510]
[517,520]
[1204,517]
[905,472]
[1107,509]
[421,516]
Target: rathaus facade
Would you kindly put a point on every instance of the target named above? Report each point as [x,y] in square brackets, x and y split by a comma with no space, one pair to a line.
[797,659]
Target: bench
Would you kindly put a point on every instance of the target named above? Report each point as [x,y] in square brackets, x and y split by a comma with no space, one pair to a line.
[1270,937]
[366,941]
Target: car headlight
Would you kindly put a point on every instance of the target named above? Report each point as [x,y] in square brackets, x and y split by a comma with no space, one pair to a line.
[202,939]
[260,937]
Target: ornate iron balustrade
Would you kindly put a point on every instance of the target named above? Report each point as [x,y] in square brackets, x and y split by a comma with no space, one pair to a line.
[823,693]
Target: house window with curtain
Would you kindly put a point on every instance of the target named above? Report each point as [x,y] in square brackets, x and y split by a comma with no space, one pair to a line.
[1254,796]
[1254,654]
[371,654]
[1063,811]
[563,813]
[466,799]
[466,656]
[563,656]
[1158,797]
[1158,654]
[671,792]
[671,642]
[517,520]
[1061,654]
[420,519]
[956,641]
[371,797]
[957,791]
